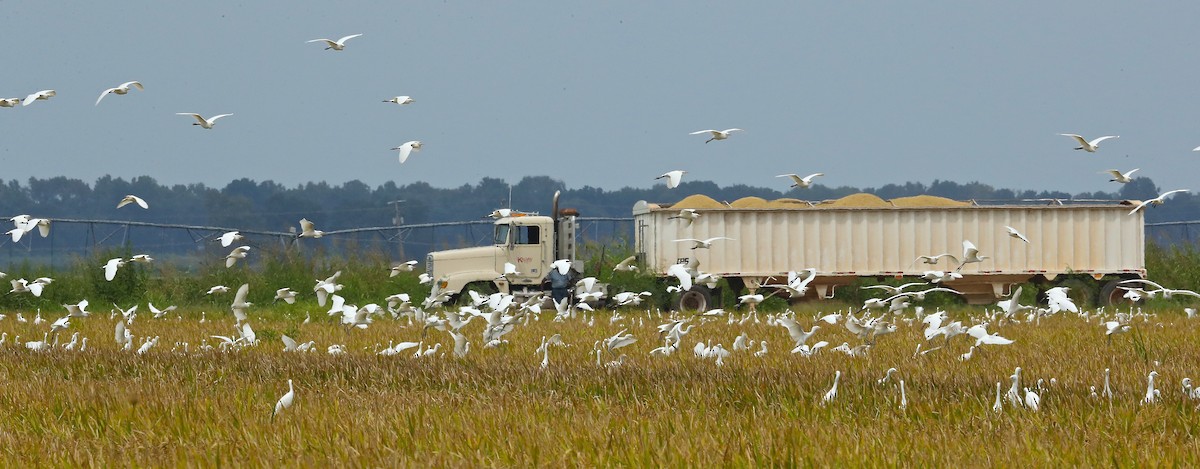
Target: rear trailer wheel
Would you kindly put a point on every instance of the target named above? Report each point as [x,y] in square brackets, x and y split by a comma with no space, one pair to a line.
[1111,294]
[695,300]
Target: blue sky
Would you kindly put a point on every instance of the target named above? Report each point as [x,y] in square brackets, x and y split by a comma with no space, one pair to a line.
[604,94]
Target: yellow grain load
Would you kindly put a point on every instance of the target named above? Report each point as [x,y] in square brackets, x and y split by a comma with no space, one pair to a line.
[697,201]
[928,201]
[749,202]
[860,200]
[786,203]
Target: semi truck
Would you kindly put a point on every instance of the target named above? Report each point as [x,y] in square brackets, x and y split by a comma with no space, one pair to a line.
[528,241]
[1090,243]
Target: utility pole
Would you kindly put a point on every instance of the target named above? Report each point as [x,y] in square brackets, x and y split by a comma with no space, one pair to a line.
[398,221]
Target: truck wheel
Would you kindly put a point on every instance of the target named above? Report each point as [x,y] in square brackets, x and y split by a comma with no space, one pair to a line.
[483,288]
[695,300]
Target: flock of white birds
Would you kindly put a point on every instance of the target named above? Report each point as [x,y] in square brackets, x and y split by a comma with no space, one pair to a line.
[674,177]
[501,314]
[405,149]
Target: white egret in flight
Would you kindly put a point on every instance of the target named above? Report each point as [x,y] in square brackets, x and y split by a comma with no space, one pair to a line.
[201,121]
[672,178]
[1120,177]
[716,134]
[1087,146]
[407,148]
[40,95]
[1016,234]
[335,45]
[132,199]
[1155,201]
[123,88]
[801,182]
[703,243]
[308,230]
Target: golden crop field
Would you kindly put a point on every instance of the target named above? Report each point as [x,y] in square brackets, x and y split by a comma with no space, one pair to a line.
[499,407]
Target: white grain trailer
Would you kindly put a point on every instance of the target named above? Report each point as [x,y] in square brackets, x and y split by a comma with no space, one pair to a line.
[864,236]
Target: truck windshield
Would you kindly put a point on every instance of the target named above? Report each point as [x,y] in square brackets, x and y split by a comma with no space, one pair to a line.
[502,234]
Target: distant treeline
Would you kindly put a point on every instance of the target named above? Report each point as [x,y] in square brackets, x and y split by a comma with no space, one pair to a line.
[267,205]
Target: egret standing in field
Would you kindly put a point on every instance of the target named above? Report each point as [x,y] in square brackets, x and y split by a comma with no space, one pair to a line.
[1013,395]
[1087,146]
[1032,400]
[1107,388]
[832,393]
[886,376]
[285,401]
[716,134]
[1151,393]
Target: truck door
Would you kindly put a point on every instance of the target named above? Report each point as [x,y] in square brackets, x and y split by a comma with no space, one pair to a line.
[525,247]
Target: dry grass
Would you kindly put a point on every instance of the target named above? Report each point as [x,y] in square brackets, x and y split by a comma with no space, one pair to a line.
[497,407]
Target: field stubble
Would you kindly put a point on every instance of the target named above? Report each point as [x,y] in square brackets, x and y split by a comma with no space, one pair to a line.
[498,407]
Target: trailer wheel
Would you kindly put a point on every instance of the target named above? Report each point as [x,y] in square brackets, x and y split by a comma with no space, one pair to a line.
[1111,294]
[695,300]
[1083,290]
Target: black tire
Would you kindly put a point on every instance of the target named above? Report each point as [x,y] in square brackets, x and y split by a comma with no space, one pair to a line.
[1083,290]
[695,300]
[483,288]
[1111,294]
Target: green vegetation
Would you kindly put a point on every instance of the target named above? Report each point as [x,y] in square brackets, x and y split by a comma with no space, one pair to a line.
[498,407]
[365,273]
